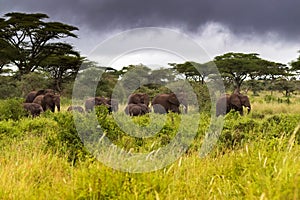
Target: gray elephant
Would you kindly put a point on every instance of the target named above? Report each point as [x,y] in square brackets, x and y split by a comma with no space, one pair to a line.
[235,101]
[137,98]
[48,101]
[90,103]
[114,104]
[33,108]
[164,103]
[136,109]
[75,108]
[33,94]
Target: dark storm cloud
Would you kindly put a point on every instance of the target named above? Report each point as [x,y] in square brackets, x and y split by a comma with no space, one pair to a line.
[258,16]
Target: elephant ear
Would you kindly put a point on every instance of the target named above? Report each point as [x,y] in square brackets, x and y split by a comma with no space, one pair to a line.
[173,99]
[146,99]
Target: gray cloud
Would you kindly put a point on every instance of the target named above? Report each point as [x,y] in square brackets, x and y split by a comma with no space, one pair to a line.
[258,16]
[268,27]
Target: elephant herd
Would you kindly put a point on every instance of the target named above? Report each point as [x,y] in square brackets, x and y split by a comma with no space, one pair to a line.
[138,103]
[38,101]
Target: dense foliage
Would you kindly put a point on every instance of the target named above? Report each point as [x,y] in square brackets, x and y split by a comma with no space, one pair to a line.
[256,156]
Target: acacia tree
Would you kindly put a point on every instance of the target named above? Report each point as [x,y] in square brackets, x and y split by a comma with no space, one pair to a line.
[26,40]
[195,71]
[62,65]
[239,66]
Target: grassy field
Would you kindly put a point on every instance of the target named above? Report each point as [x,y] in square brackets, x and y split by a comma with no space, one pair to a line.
[256,157]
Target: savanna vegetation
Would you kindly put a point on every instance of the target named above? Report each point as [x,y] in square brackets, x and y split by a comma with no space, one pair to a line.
[255,157]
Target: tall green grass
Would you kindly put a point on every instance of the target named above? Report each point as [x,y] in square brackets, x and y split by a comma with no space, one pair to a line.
[255,171]
[256,157]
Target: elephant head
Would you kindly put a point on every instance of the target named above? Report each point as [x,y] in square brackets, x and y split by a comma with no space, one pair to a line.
[164,103]
[137,98]
[245,102]
[50,101]
[237,101]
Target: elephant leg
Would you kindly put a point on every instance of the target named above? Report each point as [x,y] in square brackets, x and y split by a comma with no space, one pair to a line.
[241,112]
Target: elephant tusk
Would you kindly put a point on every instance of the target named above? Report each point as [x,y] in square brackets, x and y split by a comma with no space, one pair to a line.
[249,109]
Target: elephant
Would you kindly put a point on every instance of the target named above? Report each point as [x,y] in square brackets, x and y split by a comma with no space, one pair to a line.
[163,103]
[75,108]
[113,103]
[137,98]
[33,108]
[235,101]
[33,94]
[48,101]
[90,103]
[136,109]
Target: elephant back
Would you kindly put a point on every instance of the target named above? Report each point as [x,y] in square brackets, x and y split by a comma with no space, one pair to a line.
[33,94]
[75,108]
[30,97]
[137,98]
[136,109]
[163,103]
[33,108]
[38,99]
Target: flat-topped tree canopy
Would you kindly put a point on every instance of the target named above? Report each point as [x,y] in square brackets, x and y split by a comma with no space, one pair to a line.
[239,66]
[27,39]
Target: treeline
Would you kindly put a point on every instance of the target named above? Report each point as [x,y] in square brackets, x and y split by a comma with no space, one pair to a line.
[33,56]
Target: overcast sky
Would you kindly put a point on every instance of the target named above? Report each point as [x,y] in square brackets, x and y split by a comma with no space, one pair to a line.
[268,27]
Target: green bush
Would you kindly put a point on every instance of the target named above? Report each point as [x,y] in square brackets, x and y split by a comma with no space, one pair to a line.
[8,87]
[66,141]
[12,109]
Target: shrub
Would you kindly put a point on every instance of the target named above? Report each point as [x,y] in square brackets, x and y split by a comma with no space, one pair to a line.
[66,141]
[12,109]
[8,87]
